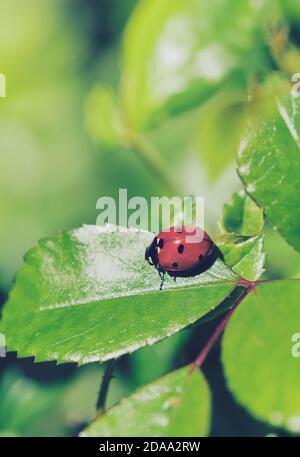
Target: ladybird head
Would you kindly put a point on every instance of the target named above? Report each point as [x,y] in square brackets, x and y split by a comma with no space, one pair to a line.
[151,253]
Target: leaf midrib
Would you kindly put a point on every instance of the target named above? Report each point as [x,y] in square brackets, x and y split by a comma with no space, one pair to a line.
[171,290]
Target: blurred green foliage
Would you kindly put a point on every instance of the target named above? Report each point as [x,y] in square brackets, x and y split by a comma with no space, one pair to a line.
[30,407]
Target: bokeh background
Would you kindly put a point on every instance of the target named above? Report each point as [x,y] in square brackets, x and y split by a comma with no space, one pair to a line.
[57,56]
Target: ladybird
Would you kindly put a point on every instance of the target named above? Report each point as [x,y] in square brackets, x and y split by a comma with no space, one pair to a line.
[181,251]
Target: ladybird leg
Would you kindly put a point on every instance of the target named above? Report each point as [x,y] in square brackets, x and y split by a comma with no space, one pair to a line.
[174,279]
[162,277]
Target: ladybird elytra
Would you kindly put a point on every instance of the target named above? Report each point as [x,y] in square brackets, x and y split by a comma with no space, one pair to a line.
[181,252]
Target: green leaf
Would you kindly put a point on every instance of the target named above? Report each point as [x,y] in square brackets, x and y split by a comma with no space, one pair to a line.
[269,164]
[103,116]
[282,260]
[177,53]
[88,295]
[176,405]
[223,116]
[259,365]
[245,257]
[241,216]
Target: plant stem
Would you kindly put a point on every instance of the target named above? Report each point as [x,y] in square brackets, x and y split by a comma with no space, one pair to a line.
[248,286]
[104,387]
[150,156]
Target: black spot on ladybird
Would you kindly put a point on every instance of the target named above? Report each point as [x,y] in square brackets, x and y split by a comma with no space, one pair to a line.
[180,248]
[175,265]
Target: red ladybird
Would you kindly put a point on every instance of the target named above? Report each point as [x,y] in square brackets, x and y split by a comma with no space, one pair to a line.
[181,251]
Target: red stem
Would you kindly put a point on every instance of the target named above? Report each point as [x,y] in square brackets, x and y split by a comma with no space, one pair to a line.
[248,287]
